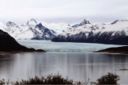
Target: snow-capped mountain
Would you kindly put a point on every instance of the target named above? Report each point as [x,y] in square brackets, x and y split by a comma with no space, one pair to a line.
[30,30]
[115,32]
[112,33]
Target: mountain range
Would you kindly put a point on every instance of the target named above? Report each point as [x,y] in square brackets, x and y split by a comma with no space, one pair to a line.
[30,30]
[115,32]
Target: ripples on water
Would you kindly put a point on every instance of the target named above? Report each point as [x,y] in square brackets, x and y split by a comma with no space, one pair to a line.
[73,60]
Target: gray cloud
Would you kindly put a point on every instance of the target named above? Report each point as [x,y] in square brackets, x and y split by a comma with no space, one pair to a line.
[64,8]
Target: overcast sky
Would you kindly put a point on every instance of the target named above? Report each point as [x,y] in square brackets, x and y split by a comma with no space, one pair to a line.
[62,9]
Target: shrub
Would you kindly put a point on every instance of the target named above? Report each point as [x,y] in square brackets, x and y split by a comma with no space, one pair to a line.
[2,82]
[109,79]
[51,79]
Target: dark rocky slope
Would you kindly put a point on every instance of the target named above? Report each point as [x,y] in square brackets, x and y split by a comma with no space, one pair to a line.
[7,44]
[123,49]
[106,38]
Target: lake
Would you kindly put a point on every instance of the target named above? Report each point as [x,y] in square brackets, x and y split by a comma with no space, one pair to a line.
[76,61]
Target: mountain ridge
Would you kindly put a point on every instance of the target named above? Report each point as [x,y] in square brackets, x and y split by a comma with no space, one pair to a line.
[29,30]
[9,44]
[112,33]
[115,32]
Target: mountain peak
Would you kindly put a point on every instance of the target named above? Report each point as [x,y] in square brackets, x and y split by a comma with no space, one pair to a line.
[40,26]
[32,22]
[84,22]
[10,23]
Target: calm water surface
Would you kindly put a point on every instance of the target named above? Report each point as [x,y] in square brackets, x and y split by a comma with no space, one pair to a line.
[73,60]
